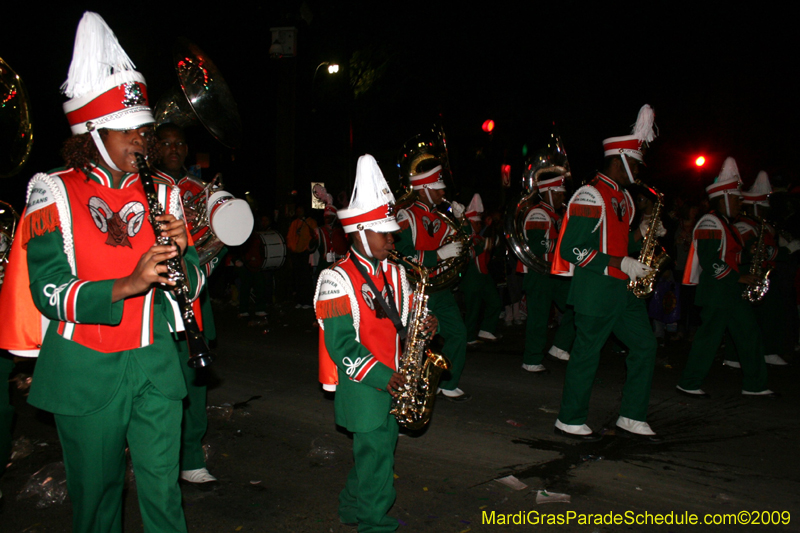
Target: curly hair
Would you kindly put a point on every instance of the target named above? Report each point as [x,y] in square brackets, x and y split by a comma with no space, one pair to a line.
[79,150]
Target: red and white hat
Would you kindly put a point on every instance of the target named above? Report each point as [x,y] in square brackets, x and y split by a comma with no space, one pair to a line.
[553,184]
[643,133]
[728,181]
[475,208]
[759,192]
[431,179]
[370,205]
[104,90]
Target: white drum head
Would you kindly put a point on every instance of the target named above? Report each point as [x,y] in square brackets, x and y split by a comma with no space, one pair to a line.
[231,218]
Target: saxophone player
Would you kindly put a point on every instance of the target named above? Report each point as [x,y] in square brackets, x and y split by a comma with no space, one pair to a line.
[362,304]
[714,266]
[769,312]
[594,243]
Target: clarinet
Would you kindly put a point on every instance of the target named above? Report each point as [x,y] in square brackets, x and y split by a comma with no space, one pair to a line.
[199,354]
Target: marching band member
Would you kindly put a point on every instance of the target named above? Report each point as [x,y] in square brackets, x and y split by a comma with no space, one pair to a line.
[480,290]
[595,238]
[364,343]
[170,166]
[769,312]
[422,238]
[714,266]
[108,367]
[542,224]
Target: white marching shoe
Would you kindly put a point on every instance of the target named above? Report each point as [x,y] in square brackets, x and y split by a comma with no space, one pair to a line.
[534,368]
[637,428]
[558,353]
[775,359]
[199,477]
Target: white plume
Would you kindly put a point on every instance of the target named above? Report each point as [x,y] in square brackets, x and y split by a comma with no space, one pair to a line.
[96,56]
[644,129]
[371,189]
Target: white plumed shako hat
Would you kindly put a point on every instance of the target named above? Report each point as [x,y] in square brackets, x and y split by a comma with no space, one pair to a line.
[643,134]
[759,193]
[728,181]
[475,208]
[371,203]
[104,89]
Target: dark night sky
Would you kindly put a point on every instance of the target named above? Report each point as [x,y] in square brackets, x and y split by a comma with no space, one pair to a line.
[722,82]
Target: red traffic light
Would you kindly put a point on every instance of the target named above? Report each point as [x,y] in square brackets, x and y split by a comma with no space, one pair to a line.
[488,126]
[700,161]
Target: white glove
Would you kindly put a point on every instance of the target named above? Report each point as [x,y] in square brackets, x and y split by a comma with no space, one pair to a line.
[458,209]
[644,225]
[449,250]
[792,245]
[633,268]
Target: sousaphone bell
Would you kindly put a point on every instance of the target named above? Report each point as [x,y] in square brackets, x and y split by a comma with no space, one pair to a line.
[204,97]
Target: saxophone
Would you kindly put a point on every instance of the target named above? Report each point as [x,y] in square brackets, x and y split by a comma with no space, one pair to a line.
[652,254]
[756,291]
[199,353]
[422,368]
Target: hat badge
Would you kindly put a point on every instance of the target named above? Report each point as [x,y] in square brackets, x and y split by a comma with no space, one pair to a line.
[133,95]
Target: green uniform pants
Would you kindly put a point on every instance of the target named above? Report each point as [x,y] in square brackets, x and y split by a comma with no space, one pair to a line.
[772,322]
[369,492]
[480,292]
[451,327]
[632,327]
[740,321]
[195,417]
[94,458]
[6,410]
[542,291]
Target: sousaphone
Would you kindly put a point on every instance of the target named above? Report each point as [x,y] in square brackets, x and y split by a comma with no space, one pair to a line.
[203,96]
[542,164]
[16,130]
[420,154]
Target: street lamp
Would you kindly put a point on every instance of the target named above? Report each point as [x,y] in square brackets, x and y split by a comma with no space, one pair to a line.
[333,68]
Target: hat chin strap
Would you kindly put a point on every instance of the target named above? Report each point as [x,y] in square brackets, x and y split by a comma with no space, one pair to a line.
[727,206]
[367,249]
[627,168]
[428,194]
[550,198]
[101,147]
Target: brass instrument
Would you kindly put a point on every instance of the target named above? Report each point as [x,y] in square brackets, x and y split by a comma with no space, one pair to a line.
[422,368]
[16,130]
[420,154]
[548,161]
[755,292]
[203,96]
[8,228]
[653,254]
[199,354]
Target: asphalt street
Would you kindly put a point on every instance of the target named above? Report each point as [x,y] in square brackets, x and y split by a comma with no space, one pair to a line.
[281,460]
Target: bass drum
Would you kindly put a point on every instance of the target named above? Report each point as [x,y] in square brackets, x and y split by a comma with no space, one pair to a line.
[266,250]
